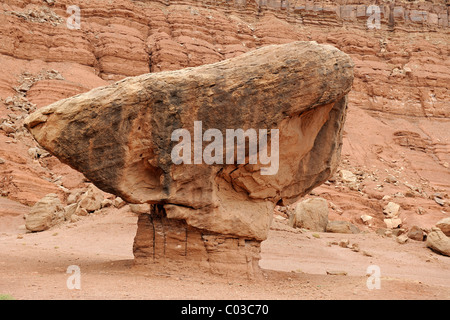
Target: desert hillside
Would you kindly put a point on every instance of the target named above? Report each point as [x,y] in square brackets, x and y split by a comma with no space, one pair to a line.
[395,152]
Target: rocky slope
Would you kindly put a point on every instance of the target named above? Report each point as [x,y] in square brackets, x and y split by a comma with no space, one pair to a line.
[396,140]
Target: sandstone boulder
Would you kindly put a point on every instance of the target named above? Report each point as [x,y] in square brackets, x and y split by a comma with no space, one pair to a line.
[393,223]
[45,213]
[92,199]
[121,137]
[311,214]
[444,225]
[416,233]
[140,208]
[341,227]
[438,241]
[391,209]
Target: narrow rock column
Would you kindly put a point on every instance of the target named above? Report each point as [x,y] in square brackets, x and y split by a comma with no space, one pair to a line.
[160,240]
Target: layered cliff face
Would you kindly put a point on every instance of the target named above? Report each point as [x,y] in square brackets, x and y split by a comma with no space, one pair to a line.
[398,107]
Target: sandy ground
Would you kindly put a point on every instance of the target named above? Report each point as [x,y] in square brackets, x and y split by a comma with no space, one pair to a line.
[295,264]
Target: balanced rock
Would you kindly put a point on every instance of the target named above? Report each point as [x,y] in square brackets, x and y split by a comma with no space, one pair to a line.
[168,139]
[46,213]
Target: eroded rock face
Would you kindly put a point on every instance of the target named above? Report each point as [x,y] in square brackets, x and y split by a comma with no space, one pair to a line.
[119,136]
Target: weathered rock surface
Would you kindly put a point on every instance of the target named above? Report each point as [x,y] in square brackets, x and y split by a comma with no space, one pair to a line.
[416,233]
[299,88]
[44,214]
[311,214]
[444,225]
[341,227]
[438,241]
[92,199]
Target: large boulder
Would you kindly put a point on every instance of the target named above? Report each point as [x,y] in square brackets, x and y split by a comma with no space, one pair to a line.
[311,214]
[45,213]
[444,225]
[126,139]
[438,241]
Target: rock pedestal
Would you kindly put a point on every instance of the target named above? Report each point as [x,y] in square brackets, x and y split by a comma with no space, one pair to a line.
[160,240]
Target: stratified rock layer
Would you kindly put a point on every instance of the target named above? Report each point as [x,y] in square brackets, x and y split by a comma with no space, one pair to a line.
[119,136]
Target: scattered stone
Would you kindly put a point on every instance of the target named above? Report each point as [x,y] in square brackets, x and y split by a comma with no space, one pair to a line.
[45,213]
[37,153]
[69,211]
[140,208]
[381,231]
[420,210]
[355,247]
[311,214]
[2,161]
[402,239]
[366,218]
[397,232]
[393,223]
[439,201]
[336,273]
[107,203]
[9,100]
[80,211]
[444,225]
[119,203]
[7,128]
[438,241]
[344,243]
[92,199]
[390,179]
[439,195]
[335,208]
[74,196]
[341,227]
[391,209]
[75,218]
[347,176]
[367,254]
[416,233]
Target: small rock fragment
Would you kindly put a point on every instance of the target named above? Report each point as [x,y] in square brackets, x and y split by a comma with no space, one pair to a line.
[415,233]
[391,209]
[344,243]
[402,239]
[336,273]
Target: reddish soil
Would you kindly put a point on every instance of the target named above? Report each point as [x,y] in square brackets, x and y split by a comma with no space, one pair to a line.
[295,265]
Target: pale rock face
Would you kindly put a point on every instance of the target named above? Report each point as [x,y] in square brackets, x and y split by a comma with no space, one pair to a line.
[391,209]
[92,199]
[438,241]
[444,225]
[119,136]
[311,214]
[45,213]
